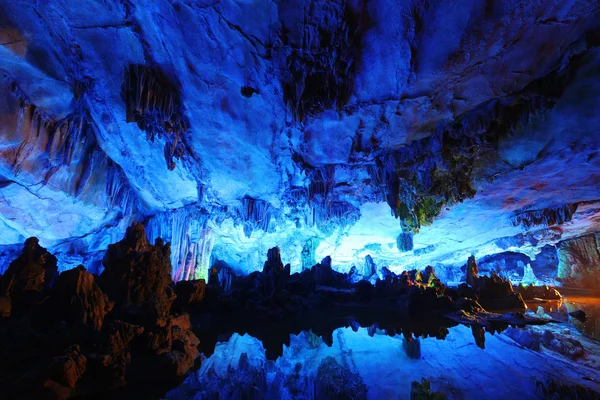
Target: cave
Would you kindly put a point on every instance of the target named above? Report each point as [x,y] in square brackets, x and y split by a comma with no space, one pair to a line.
[308,199]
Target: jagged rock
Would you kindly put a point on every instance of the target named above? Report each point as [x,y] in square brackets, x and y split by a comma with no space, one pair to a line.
[174,344]
[275,275]
[33,271]
[78,300]
[66,370]
[531,292]
[470,306]
[335,381]
[472,270]
[136,271]
[112,365]
[495,293]
[323,274]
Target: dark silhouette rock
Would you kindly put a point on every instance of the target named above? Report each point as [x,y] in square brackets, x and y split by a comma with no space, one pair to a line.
[77,300]
[33,271]
[422,391]
[412,347]
[190,293]
[136,271]
[472,270]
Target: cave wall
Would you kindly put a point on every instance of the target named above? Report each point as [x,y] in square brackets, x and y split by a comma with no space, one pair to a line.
[579,261]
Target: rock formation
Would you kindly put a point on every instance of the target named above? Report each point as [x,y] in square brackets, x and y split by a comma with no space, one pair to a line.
[81,338]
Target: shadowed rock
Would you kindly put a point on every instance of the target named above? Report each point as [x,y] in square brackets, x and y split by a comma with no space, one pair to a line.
[33,271]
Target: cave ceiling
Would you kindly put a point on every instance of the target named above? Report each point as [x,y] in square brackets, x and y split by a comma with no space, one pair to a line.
[415,131]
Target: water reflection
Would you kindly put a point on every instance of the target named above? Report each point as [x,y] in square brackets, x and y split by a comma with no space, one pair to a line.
[591,307]
[559,310]
[381,363]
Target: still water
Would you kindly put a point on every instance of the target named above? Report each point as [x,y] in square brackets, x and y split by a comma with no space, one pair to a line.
[375,364]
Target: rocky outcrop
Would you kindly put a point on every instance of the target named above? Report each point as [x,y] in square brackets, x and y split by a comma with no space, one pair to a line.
[136,272]
[190,293]
[531,292]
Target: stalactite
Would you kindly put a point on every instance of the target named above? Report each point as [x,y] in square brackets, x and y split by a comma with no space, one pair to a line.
[154,103]
[544,217]
[404,242]
[308,255]
[190,237]
[255,214]
[118,189]
[327,215]
[321,182]
[72,139]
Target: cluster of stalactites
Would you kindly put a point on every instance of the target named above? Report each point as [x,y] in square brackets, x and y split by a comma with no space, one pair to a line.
[545,217]
[325,208]
[72,139]
[256,214]
[154,103]
[327,215]
[68,136]
[190,237]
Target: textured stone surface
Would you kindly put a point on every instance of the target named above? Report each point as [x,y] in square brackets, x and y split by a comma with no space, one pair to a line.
[579,260]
